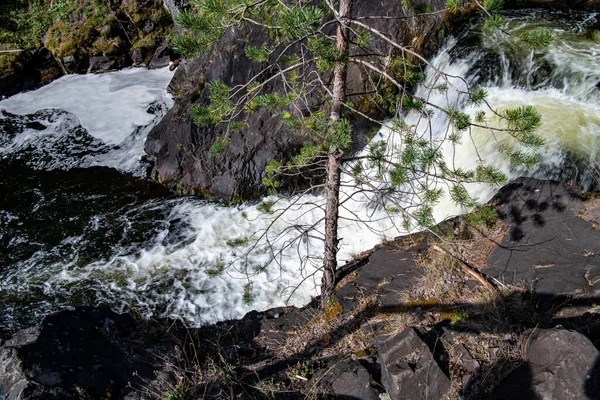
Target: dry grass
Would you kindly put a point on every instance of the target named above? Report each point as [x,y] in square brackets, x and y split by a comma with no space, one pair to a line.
[479,362]
[444,279]
[322,330]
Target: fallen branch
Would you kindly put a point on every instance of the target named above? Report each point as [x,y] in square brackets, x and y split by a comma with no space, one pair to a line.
[471,271]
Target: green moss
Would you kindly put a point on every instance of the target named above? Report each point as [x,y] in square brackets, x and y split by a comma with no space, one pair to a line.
[69,27]
[10,63]
[333,310]
[455,317]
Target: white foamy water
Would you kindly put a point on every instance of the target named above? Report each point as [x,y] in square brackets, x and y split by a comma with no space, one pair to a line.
[109,106]
[279,254]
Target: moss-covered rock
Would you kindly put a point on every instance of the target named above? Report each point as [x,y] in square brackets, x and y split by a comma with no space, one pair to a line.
[75,31]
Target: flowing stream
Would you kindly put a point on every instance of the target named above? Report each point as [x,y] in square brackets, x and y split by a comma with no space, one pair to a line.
[80,226]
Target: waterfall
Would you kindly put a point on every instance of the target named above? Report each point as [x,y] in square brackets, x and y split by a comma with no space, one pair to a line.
[133,246]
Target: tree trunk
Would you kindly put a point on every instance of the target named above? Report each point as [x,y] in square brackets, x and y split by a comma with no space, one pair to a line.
[339,72]
[334,167]
[334,171]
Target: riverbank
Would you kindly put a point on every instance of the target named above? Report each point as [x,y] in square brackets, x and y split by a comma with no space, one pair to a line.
[407,320]
[42,41]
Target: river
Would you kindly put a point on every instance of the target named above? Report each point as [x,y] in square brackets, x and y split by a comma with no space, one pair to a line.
[79,225]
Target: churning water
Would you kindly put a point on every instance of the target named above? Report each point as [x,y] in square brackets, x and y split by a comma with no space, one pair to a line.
[79,224]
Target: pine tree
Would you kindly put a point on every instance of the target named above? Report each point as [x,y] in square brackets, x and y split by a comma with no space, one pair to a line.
[321,40]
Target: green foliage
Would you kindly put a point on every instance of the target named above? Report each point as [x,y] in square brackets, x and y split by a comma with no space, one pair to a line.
[442,87]
[398,124]
[453,6]
[399,176]
[202,116]
[248,296]
[493,6]
[377,153]
[266,206]
[271,171]
[490,174]
[459,194]
[477,96]
[69,27]
[480,117]
[423,8]
[455,317]
[218,269]
[363,38]
[538,37]
[522,122]
[179,393]
[483,216]
[460,120]
[495,21]
[424,216]
[238,242]
[256,54]
[519,158]
[339,135]
[433,196]
[271,101]
[307,153]
[220,145]
[206,22]
[325,53]
[406,72]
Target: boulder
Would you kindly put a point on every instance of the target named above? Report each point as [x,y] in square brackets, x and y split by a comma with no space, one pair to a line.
[76,64]
[105,64]
[549,243]
[561,364]
[162,56]
[87,352]
[409,370]
[32,69]
[349,379]
[137,57]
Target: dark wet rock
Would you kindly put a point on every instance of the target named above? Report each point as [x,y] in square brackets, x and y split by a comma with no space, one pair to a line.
[105,64]
[181,151]
[137,57]
[76,64]
[162,56]
[409,370]
[561,364]
[89,352]
[349,379]
[275,331]
[37,68]
[387,272]
[463,360]
[175,6]
[43,362]
[548,245]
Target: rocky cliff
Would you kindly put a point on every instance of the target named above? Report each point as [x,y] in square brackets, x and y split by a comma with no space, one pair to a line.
[180,149]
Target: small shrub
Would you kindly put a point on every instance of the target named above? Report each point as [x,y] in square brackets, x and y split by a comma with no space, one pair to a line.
[483,216]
